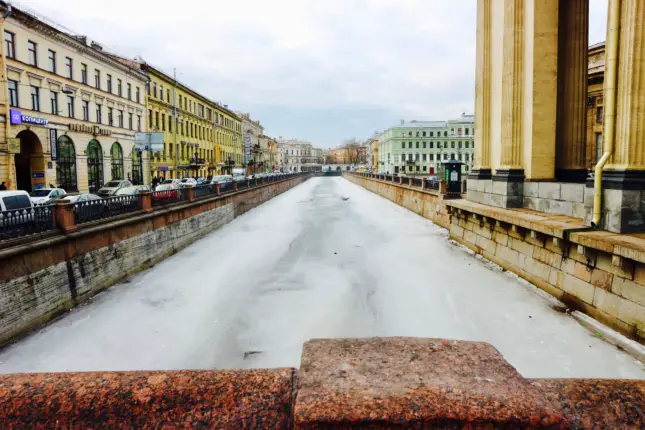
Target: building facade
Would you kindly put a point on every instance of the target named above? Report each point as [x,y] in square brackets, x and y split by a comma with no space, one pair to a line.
[251,131]
[299,156]
[595,108]
[419,147]
[373,159]
[228,136]
[69,110]
[187,120]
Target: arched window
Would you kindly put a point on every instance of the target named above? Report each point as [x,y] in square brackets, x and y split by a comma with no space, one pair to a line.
[66,165]
[117,161]
[94,165]
[137,167]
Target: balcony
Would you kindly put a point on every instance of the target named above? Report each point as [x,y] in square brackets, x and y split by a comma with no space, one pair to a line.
[411,161]
[197,161]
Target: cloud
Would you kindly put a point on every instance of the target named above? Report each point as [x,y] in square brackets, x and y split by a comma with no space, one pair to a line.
[316,70]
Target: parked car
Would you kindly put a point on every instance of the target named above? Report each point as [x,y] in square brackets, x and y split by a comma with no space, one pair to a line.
[42,195]
[11,200]
[132,190]
[221,179]
[87,207]
[167,192]
[111,187]
[202,181]
[188,183]
[239,178]
[172,181]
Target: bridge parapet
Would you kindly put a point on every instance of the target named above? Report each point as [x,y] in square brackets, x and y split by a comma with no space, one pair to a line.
[342,383]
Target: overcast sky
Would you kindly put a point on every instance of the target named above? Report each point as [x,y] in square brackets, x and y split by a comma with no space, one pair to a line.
[320,70]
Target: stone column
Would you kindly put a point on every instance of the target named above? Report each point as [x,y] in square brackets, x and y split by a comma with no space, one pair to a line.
[64,211]
[481,169]
[571,122]
[145,201]
[512,91]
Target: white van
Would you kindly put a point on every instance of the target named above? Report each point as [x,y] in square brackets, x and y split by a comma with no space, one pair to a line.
[11,200]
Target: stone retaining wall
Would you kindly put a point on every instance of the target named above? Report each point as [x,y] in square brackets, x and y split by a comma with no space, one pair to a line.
[41,279]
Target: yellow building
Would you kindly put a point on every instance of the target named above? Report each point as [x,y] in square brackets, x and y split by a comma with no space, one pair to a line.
[228,135]
[373,162]
[191,141]
[68,110]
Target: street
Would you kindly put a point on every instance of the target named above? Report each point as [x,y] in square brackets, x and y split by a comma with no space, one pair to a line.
[325,259]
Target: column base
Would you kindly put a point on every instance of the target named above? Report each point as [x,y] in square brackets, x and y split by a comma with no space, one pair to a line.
[571,175]
[623,209]
[479,174]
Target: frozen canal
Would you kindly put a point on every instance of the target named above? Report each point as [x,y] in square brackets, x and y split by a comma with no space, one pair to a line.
[325,259]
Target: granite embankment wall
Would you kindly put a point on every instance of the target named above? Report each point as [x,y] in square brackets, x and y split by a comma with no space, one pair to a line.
[599,273]
[40,279]
[341,384]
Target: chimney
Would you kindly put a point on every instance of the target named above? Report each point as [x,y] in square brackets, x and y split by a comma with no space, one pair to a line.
[82,39]
[96,46]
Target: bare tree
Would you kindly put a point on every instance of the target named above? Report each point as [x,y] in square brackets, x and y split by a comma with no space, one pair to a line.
[354,150]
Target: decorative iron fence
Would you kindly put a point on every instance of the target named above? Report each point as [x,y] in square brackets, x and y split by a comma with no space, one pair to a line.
[416,182]
[241,185]
[22,222]
[205,190]
[105,208]
[169,196]
[226,187]
[433,185]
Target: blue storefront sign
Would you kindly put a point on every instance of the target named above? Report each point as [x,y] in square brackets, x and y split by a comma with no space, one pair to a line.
[38,175]
[16,117]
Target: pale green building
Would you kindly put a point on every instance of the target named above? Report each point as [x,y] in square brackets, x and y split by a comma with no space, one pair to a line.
[419,147]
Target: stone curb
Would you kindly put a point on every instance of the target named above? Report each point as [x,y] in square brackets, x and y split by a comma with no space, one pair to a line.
[631,347]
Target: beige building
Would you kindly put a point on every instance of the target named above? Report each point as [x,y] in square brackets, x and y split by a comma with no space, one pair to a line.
[596,79]
[69,110]
[252,130]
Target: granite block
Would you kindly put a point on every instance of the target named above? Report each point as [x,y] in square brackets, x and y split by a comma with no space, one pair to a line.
[572,192]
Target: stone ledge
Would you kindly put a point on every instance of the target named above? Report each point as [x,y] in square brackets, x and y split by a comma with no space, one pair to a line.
[550,224]
[189,399]
[425,383]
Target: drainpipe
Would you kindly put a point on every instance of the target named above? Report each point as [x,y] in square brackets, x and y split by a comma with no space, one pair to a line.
[611,73]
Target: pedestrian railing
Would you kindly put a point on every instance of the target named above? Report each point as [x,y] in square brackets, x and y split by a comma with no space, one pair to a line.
[160,198]
[105,208]
[65,216]
[23,222]
[427,184]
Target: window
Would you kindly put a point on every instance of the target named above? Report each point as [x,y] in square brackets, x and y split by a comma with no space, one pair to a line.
[69,68]
[150,117]
[431,156]
[109,84]
[66,164]
[169,123]
[35,98]
[129,91]
[33,55]
[117,161]
[99,113]
[598,146]
[97,78]
[410,133]
[163,122]
[138,122]
[459,145]
[120,118]
[10,44]
[445,134]
[467,144]
[156,120]
[154,89]
[431,134]
[424,145]
[13,93]
[439,145]
[416,156]
[110,116]
[599,114]
[119,87]
[51,55]
[70,106]
[86,110]
[467,131]
[424,134]
[409,144]
[417,145]
[53,98]
[168,95]
[161,92]
[138,95]
[130,123]
[424,157]
[84,73]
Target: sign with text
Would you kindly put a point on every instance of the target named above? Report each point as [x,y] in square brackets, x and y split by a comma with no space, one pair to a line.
[13,144]
[149,141]
[16,117]
[53,140]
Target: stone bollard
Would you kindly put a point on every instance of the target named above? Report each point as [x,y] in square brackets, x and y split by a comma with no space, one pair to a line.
[218,190]
[65,216]
[145,201]
[190,194]
[234,186]
[423,183]
[401,180]
[442,187]
[247,182]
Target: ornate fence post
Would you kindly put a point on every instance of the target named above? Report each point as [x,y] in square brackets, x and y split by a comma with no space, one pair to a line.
[217,189]
[190,194]
[145,201]
[65,216]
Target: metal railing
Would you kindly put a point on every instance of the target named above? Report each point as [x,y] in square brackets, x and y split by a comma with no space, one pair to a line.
[205,190]
[416,182]
[22,222]
[241,185]
[105,208]
[226,187]
[169,196]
